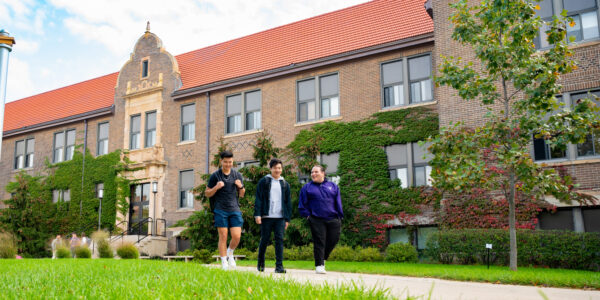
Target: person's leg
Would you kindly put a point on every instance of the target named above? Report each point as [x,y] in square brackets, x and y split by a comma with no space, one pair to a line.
[317,228]
[333,236]
[265,235]
[279,228]
[222,241]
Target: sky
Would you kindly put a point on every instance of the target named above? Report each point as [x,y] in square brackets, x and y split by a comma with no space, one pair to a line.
[62,42]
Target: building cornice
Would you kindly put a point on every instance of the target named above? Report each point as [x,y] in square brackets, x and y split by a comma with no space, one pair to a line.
[293,68]
[54,123]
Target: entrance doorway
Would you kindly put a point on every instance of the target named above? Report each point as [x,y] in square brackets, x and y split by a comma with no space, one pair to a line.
[139,208]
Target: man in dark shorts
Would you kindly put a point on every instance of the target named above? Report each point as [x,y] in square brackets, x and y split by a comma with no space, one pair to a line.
[223,188]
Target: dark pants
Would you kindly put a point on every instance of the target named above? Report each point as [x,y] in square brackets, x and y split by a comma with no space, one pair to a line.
[267,226]
[326,234]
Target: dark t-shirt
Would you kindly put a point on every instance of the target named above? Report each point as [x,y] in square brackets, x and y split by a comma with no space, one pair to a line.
[226,198]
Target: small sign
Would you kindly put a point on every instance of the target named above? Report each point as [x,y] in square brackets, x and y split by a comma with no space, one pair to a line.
[488,246]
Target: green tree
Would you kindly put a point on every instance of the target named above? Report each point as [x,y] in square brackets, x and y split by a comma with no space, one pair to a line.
[518,85]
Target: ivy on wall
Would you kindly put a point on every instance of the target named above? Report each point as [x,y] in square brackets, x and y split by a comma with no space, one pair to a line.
[368,195]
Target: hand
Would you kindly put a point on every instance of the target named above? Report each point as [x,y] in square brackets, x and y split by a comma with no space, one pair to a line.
[258,220]
[238,183]
[286,225]
[219,185]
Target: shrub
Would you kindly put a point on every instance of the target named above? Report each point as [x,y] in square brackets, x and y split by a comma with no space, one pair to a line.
[401,252]
[343,253]
[105,250]
[202,255]
[544,248]
[369,254]
[269,253]
[186,252]
[8,248]
[127,251]
[299,253]
[83,252]
[63,252]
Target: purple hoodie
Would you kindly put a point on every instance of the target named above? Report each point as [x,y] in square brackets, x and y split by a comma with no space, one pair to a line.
[321,200]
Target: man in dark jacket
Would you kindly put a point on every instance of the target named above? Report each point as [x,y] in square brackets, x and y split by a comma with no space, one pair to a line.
[272,210]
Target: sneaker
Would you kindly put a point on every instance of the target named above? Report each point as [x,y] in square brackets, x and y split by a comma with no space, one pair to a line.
[224,265]
[280,270]
[261,267]
[320,270]
[231,261]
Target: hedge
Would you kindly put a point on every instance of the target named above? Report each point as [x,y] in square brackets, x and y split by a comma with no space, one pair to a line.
[541,248]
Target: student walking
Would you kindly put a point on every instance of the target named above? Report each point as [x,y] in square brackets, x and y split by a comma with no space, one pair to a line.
[321,204]
[223,188]
[56,242]
[74,243]
[272,210]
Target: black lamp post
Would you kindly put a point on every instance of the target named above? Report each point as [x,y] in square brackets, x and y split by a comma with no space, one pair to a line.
[100,191]
[154,191]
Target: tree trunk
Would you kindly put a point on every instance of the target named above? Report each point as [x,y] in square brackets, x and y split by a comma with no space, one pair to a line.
[512,223]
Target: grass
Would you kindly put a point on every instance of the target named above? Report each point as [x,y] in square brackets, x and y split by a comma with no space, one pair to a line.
[496,274]
[152,279]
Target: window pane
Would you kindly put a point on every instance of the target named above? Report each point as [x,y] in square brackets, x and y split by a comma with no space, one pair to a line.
[426,90]
[428,179]
[253,101]
[234,124]
[145,68]
[423,235]
[135,141]
[402,174]
[575,31]
[589,22]
[103,131]
[302,111]
[70,137]
[55,196]
[67,195]
[393,95]
[150,138]
[587,147]
[188,132]
[419,67]
[392,72]
[329,85]
[399,236]
[103,147]
[419,176]
[58,154]
[419,152]
[70,151]
[396,155]
[234,105]
[188,113]
[59,139]
[335,106]
[20,148]
[325,108]
[30,145]
[135,123]
[151,121]
[29,160]
[307,111]
[187,180]
[253,120]
[306,89]
[576,5]
[415,92]
[541,40]
[545,9]
[332,161]
[19,162]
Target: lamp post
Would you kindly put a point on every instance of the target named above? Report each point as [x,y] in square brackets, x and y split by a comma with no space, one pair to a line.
[154,191]
[6,43]
[100,191]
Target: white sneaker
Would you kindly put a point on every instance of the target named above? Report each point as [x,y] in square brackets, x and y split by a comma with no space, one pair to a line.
[231,260]
[224,265]
[320,270]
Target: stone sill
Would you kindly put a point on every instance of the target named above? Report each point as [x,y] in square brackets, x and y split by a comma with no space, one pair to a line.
[408,106]
[249,132]
[318,121]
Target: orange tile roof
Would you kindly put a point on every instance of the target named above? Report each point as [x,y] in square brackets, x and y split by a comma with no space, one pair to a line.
[72,100]
[357,27]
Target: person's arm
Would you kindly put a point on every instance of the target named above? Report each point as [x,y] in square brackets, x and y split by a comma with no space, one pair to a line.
[239,184]
[213,186]
[338,202]
[258,201]
[303,203]
[287,202]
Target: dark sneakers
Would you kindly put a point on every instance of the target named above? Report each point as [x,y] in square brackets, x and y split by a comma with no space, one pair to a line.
[280,270]
[261,267]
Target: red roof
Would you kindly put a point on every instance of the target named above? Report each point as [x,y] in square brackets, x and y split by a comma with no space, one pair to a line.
[357,27]
[364,25]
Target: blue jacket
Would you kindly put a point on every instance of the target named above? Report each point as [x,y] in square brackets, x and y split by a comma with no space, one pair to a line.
[322,200]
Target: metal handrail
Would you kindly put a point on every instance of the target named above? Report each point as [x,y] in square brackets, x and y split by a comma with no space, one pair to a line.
[164,232]
[139,227]
[121,234]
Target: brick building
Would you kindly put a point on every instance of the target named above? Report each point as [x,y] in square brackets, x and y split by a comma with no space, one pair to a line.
[169,111]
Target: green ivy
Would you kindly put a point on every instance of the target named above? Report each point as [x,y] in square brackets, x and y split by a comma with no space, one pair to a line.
[363,167]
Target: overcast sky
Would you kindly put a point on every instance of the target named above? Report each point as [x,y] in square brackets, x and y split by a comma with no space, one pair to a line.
[61,42]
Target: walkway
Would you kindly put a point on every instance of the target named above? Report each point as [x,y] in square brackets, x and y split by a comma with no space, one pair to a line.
[402,287]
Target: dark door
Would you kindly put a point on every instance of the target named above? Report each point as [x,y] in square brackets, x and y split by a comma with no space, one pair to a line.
[139,208]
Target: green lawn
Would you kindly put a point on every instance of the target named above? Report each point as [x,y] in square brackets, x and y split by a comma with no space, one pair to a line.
[524,276]
[151,279]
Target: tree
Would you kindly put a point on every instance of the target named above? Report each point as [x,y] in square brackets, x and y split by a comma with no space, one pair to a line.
[518,86]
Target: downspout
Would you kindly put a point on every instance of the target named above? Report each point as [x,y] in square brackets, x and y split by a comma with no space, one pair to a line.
[207,132]
[83,167]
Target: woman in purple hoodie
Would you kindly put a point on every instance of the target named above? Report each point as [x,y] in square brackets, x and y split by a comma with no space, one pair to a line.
[321,204]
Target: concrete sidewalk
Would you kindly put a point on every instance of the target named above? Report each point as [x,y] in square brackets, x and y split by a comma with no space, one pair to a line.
[401,287]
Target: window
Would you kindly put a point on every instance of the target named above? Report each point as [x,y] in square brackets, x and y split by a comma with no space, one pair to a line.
[134,135]
[591,146]
[416,236]
[144,68]
[64,145]
[320,101]
[150,129]
[544,151]
[408,164]
[418,73]
[61,195]
[583,12]
[188,114]
[243,111]
[24,153]
[186,184]
[102,147]
[331,161]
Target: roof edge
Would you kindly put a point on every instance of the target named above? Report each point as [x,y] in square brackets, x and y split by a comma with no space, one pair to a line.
[70,119]
[328,60]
